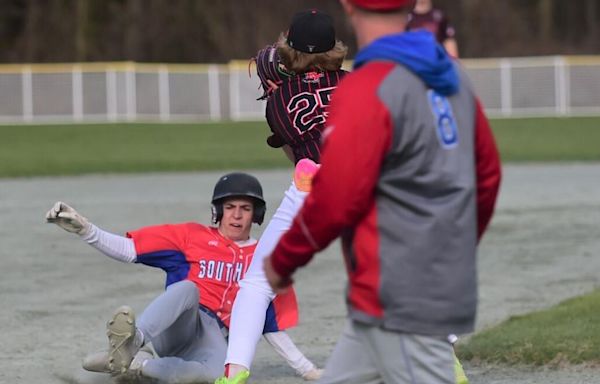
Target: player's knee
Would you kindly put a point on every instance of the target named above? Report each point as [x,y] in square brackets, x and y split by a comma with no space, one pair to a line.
[185,289]
[256,287]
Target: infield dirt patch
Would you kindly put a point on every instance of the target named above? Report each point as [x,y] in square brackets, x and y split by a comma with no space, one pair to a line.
[57,292]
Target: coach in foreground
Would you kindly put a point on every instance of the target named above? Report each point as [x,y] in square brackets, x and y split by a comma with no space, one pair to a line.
[187,324]
[409,178]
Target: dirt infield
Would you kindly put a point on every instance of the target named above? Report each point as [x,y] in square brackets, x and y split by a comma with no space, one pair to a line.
[56,291]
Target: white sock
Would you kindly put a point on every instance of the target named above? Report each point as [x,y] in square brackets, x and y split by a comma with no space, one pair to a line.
[138,339]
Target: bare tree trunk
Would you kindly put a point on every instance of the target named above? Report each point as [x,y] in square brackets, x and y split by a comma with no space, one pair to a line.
[591,14]
[133,39]
[545,11]
[82,28]
[30,31]
[471,31]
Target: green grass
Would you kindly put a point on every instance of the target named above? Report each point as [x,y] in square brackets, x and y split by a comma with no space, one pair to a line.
[568,333]
[548,139]
[76,149]
[31,150]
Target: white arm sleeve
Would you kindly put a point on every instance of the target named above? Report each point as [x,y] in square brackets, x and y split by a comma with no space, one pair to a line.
[285,347]
[117,247]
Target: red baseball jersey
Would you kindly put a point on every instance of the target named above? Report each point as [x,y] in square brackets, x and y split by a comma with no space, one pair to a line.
[297,110]
[194,252]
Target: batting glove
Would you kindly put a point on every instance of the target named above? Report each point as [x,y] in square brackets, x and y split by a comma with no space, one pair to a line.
[313,375]
[68,219]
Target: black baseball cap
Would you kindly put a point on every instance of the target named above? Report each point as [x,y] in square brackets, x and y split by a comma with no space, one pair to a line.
[311,31]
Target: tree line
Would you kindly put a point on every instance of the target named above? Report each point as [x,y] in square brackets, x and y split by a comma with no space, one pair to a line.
[190,31]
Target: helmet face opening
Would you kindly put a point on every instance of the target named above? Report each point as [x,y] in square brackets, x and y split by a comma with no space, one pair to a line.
[259,210]
[238,184]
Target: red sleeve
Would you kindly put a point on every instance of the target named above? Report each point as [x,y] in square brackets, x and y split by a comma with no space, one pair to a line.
[488,170]
[359,130]
[159,238]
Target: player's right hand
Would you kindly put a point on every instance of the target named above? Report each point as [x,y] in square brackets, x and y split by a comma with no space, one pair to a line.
[68,219]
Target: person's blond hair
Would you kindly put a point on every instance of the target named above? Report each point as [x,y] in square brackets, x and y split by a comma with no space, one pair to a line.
[301,62]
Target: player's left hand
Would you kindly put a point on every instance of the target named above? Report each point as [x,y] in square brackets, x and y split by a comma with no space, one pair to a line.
[68,219]
[272,85]
[277,282]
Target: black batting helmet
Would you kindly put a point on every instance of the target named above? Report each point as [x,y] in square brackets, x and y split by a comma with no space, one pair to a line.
[238,184]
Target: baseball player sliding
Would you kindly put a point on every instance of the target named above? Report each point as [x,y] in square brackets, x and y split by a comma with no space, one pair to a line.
[181,336]
[298,74]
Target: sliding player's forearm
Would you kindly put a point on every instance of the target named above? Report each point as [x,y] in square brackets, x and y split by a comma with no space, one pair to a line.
[114,246]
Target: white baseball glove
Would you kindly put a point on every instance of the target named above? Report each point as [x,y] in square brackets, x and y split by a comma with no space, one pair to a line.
[68,219]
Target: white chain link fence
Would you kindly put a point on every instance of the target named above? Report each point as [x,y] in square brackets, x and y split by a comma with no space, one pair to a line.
[111,92]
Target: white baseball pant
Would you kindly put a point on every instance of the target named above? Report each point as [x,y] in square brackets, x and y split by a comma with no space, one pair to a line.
[255,294]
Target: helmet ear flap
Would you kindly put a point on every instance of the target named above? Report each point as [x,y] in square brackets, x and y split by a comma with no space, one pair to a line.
[216,210]
[259,213]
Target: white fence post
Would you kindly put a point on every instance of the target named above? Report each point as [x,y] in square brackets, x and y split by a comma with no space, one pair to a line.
[234,94]
[130,92]
[77,93]
[164,93]
[506,87]
[111,95]
[27,94]
[214,90]
[561,86]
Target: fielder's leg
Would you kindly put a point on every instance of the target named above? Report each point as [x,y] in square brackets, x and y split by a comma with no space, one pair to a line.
[255,294]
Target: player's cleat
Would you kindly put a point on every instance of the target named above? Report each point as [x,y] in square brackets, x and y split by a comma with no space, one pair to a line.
[459,372]
[313,374]
[306,170]
[98,361]
[240,378]
[122,346]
